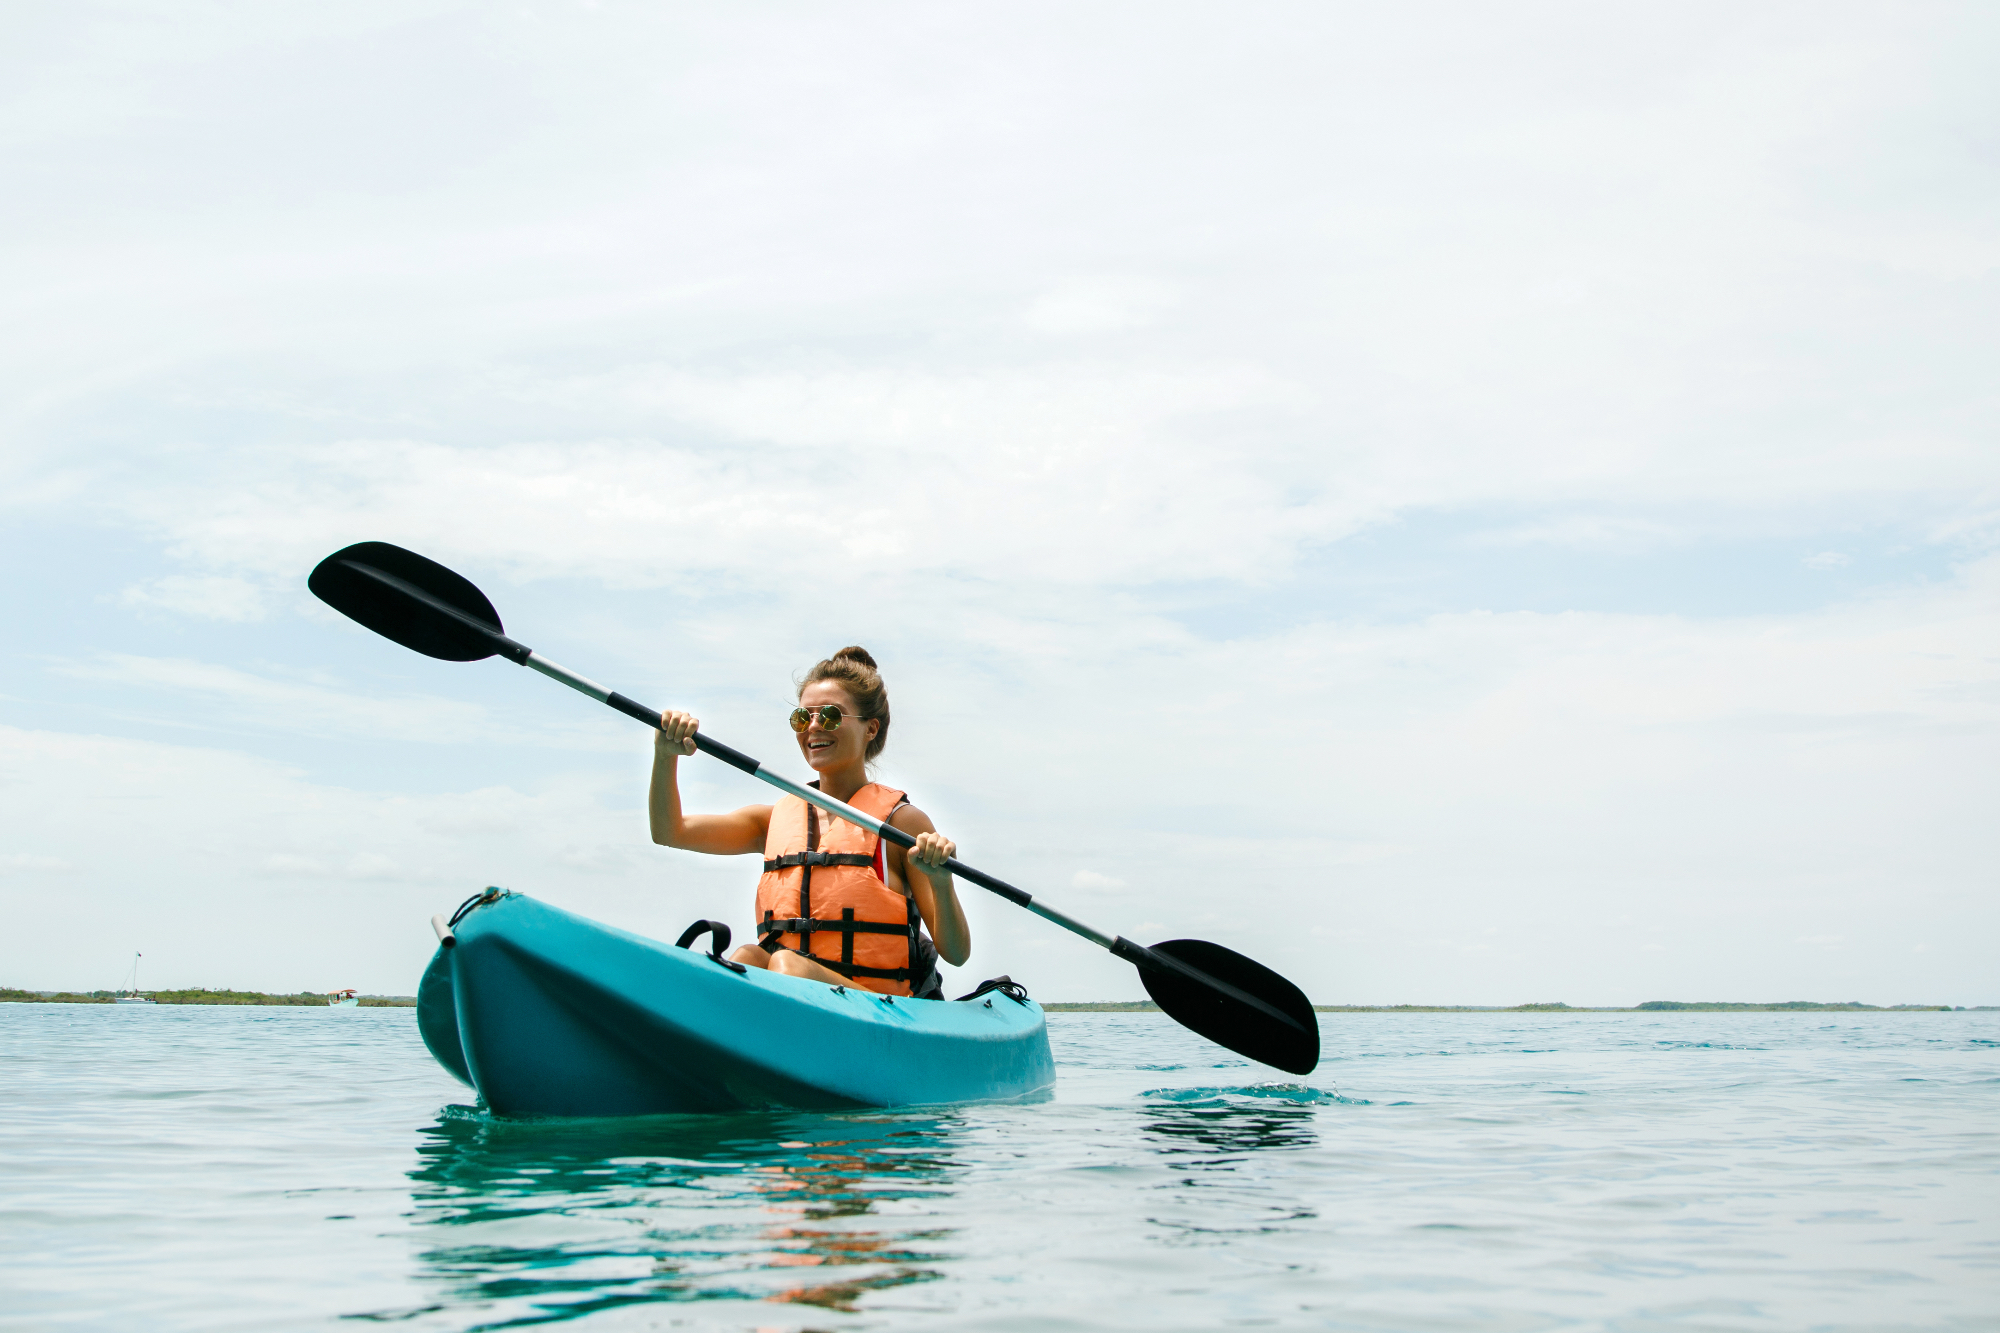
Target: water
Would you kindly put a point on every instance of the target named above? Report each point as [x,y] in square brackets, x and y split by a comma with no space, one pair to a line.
[259,1169]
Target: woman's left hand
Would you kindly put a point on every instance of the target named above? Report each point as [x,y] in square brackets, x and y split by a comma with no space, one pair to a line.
[931,852]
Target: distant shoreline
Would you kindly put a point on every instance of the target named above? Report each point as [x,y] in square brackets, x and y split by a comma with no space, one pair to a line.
[300,1000]
[318,999]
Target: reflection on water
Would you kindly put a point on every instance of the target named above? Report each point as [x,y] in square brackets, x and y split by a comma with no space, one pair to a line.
[528,1223]
[1228,1170]
[1219,1138]
[544,1222]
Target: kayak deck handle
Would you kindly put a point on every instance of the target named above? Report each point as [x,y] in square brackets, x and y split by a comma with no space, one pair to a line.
[718,935]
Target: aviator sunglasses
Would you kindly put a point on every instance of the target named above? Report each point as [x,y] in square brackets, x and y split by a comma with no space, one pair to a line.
[829,717]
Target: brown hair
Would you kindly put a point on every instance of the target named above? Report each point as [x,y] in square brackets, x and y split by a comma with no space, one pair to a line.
[854,670]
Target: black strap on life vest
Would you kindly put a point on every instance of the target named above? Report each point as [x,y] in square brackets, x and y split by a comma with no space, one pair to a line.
[806,877]
[805,925]
[847,925]
[772,927]
[791,859]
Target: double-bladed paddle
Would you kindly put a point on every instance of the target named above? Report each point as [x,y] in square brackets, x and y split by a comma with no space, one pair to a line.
[1232,1000]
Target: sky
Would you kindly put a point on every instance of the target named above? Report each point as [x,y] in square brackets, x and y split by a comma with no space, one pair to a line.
[1465,504]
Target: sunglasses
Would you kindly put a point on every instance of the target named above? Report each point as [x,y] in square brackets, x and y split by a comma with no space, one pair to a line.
[829,717]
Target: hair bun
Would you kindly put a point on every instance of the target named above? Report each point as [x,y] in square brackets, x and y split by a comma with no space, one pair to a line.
[855,672]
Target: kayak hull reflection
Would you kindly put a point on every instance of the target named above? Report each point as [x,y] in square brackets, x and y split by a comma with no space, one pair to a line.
[550,1014]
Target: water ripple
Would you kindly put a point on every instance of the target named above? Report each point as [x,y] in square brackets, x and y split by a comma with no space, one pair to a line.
[213,1169]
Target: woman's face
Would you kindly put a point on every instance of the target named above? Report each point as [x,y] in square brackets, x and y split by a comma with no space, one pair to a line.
[828,750]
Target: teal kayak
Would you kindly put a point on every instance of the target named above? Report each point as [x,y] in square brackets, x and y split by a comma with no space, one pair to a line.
[550,1014]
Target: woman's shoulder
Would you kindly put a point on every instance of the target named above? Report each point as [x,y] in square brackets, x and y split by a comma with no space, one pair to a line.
[911,818]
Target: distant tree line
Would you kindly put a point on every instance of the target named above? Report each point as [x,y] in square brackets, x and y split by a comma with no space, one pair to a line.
[302,999]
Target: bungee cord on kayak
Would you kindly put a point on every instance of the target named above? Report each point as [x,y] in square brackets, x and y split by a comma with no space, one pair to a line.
[670,1030]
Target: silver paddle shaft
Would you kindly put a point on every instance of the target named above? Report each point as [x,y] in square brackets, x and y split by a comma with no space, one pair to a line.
[814,796]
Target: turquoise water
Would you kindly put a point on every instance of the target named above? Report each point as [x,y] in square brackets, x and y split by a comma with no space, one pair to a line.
[212,1169]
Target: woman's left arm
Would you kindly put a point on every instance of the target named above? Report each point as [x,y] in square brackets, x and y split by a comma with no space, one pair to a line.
[931,884]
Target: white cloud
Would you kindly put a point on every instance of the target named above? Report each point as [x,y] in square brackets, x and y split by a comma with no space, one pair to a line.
[717,338]
[1083,308]
[1514,769]
[22,861]
[1347,788]
[1588,532]
[1035,477]
[371,865]
[1828,560]
[211,598]
[228,870]
[281,865]
[805,324]
[307,707]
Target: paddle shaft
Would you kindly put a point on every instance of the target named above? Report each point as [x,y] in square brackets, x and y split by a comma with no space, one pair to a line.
[839,809]
[1118,945]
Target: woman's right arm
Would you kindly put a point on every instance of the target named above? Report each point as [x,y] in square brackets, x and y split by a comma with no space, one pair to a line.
[733,834]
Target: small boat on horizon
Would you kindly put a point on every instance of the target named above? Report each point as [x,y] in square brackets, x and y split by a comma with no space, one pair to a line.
[343,999]
[131,987]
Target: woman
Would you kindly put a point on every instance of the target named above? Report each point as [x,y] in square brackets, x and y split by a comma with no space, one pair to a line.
[836,903]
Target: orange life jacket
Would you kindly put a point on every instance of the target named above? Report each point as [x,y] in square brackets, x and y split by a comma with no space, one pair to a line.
[825,894]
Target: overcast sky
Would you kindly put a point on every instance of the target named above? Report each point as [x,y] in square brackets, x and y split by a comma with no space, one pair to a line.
[1465,503]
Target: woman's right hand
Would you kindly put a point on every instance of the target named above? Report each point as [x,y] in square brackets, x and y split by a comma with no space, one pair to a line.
[677,732]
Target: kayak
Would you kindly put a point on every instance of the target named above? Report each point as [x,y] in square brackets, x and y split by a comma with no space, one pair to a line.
[547,1013]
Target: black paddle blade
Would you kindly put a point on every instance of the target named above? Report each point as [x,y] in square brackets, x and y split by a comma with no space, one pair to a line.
[1226,1020]
[415,621]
